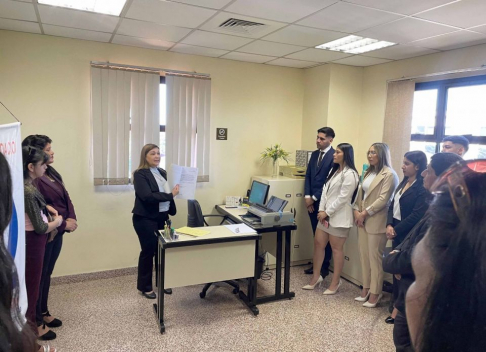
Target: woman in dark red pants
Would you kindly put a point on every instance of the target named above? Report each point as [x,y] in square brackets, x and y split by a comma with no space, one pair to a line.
[37,230]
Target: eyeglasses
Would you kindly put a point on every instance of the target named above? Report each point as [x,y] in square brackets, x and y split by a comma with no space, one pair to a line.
[454,178]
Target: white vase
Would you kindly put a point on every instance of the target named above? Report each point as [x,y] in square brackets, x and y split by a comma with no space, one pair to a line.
[275,168]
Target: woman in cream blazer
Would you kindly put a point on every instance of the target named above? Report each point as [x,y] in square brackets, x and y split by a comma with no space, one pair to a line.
[370,214]
[335,215]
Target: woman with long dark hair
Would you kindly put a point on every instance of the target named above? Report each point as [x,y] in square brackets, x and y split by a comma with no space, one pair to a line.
[14,337]
[154,202]
[445,305]
[407,207]
[52,188]
[37,231]
[371,209]
[335,215]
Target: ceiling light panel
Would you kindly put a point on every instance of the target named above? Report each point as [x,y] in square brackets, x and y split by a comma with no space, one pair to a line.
[354,44]
[112,7]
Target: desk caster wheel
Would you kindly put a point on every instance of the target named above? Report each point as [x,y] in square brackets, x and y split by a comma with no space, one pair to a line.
[235,291]
[255,310]
[202,294]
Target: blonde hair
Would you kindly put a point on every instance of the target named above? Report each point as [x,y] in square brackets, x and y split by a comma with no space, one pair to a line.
[143,156]
[384,158]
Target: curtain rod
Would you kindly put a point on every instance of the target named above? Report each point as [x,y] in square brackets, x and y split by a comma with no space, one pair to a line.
[472,69]
[153,69]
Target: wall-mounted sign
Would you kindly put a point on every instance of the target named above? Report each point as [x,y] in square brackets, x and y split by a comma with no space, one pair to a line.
[221,134]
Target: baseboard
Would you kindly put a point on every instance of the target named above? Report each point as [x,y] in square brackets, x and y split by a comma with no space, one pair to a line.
[99,275]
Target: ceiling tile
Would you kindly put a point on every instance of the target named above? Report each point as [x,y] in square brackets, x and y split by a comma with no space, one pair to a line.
[318,55]
[348,18]
[269,48]
[142,42]
[168,13]
[24,0]
[305,36]
[214,4]
[406,30]
[407,7]
[77,19]
[454,40]
[291,63]
[76,33]
[480,29]
[358,60]
[260,59]
[215,40]
[17,10]
[399,52]
[278,10]
[19,26]
[213,25]
[150,30]
[198,50]
[462,14]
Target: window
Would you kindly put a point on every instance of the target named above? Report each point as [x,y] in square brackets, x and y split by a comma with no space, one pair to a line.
[450,107]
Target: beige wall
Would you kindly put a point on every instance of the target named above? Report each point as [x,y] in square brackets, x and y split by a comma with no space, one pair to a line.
[46,83]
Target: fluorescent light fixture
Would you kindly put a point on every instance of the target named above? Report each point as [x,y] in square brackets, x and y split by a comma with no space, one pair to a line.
[353,44]
[107,7]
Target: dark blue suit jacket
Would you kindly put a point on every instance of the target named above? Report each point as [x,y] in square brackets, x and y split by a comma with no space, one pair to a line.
[315,177]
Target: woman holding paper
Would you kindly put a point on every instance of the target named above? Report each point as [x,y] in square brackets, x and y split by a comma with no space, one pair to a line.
[154,202]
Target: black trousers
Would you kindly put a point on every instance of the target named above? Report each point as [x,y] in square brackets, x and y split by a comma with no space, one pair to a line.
[53,249]
[327,258]
[401,335]
[145,229]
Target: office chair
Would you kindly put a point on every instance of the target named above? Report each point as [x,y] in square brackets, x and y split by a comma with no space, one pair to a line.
[195,218]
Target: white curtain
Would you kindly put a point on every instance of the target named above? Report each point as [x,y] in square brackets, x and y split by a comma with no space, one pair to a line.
[187,127]
[116,97]
[398,120]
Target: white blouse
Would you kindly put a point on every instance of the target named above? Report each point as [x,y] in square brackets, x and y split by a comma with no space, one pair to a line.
[163,187]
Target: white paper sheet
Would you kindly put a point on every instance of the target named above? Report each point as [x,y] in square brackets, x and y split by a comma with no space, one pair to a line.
[240,229]
[186,178]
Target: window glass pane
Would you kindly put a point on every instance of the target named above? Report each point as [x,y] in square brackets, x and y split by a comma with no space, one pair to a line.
[476,151]
[162,95]
[424,111]
[466,110]
[162,150]
[427,147]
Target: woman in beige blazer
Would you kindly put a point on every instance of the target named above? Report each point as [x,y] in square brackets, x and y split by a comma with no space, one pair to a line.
[370,215]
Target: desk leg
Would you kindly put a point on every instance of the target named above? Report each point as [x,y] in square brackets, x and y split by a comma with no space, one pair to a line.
[159,306]
[278,273]
[250,297]
[287,263]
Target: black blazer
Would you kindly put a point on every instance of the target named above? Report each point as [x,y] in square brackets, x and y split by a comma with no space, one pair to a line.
[315,177]
[148,196]
[413,205]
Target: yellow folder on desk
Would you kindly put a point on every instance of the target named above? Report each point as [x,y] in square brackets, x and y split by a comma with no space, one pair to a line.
[192,231]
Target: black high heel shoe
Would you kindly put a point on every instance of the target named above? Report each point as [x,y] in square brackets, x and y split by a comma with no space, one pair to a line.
[390,320]
[55,323]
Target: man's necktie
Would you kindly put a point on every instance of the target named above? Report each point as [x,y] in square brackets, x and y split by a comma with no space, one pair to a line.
[319,161]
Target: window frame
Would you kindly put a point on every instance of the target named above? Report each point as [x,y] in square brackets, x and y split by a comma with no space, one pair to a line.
[442,87]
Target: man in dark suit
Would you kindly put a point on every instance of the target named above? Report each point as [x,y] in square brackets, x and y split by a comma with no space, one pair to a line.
[320,164]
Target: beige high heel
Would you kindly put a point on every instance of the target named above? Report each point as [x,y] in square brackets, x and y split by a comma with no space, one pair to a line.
[363,299]
[372,305]
[311,287]
[47,348]
[329,292]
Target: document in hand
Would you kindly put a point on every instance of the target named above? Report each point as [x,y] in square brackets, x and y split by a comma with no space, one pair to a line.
[186,178]
[192,231]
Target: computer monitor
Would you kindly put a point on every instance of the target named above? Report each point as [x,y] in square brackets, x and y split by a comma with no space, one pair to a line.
[276,204]
[258,193]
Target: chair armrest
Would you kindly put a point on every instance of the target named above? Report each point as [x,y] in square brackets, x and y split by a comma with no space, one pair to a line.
[211,215]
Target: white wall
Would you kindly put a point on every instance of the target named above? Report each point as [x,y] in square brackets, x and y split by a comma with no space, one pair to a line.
[46,83]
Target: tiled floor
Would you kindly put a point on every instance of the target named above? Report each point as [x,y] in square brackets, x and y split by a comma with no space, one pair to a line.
[109,315]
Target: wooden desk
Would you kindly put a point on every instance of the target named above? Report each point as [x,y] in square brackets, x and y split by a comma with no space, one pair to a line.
[234,215]
[218,256]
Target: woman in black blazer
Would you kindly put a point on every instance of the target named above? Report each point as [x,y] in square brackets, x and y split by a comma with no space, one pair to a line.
[407,207]
[154,202]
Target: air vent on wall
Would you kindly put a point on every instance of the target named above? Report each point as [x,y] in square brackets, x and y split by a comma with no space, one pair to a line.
[241,26]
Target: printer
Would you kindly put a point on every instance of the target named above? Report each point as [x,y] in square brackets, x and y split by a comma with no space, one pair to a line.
[269,215]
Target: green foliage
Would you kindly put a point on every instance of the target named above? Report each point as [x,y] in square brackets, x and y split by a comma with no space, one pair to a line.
[275,153]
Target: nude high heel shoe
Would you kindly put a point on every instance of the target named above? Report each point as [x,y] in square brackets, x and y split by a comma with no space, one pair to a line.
[372,305]
[311,287]
[329,292]
[362,299]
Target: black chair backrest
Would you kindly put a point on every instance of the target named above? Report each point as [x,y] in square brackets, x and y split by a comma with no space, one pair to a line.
[194,214]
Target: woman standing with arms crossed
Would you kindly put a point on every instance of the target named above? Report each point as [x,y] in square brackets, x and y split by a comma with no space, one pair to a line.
[335,215]
[407,207]
[52,188]
[154,202]
[37,229]
[370,215]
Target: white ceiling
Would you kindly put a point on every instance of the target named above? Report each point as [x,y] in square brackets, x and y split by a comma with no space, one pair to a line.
[292,27]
